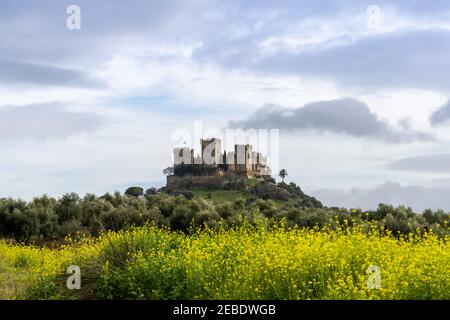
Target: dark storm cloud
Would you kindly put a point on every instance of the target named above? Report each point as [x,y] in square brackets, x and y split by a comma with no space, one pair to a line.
[37,29]
[409,59]
[44,121]
[343,116]
[231,33]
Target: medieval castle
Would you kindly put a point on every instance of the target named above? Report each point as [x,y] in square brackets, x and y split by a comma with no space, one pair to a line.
[243,161]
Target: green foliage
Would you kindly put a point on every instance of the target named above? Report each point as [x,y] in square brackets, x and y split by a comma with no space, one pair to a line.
[185,193]
[68,208]
[266,190]
[151,191]
[272,263]
[195,170]
[134,192]
[46,218]
[283,174]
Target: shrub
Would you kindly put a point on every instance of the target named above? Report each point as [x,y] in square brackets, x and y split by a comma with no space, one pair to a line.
[266,190]
[70,227]
[134,192]
[189,195]
[68,208]
[151,191]
[181,218]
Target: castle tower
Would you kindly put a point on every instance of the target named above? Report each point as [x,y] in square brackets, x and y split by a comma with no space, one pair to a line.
[211,151]
[243,159]
[259,165]
[183,156]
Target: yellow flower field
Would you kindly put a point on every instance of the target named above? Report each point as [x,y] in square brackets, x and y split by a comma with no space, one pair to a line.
[242,263]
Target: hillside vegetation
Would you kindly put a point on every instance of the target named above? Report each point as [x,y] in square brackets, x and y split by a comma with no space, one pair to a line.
[47,219]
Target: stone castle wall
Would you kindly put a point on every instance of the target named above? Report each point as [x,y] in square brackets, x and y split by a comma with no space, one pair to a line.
[187,181]
[242,161]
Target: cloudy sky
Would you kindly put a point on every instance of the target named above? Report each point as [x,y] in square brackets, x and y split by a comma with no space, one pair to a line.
[359,91]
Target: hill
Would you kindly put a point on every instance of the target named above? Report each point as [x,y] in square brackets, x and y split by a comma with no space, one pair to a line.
[230,186]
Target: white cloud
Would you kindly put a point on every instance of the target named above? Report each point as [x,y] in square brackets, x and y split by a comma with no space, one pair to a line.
[202,57]
[205,84]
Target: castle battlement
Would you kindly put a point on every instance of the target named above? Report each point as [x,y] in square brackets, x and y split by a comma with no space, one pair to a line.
[241,161]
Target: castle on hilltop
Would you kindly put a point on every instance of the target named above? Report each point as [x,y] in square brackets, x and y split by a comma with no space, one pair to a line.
[242,161]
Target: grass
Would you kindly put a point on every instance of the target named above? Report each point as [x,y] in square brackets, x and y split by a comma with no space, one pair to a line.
[12,281]
[241,263]
[221,195]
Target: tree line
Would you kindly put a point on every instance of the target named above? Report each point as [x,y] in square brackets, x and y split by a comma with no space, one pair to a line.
[47,218]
